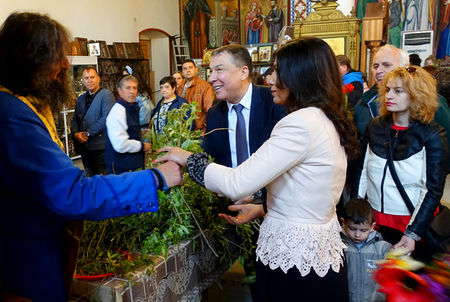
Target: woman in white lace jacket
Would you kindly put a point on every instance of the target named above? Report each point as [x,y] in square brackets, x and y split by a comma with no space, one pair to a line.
[302,165]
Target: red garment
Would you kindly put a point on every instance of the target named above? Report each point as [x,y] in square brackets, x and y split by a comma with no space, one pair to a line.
[398,128]
[398,222]
[254,24]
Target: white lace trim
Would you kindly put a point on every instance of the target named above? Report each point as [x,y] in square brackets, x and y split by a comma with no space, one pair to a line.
[283,244]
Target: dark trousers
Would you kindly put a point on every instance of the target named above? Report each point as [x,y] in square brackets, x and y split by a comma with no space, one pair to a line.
[421,251]
[275,285]
[93,161]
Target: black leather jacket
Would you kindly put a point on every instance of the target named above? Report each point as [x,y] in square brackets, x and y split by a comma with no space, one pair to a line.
[406,144]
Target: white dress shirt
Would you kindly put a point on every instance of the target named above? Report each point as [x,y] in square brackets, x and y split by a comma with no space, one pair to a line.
[246,102]
[116,126]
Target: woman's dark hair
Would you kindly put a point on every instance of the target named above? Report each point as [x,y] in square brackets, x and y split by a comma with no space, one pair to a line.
[143,87]
[170,80]
[30,44]
[257,78]
[443,83]
[308,69]
[358,210]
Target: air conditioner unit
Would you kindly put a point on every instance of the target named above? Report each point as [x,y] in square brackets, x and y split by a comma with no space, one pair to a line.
[419,42]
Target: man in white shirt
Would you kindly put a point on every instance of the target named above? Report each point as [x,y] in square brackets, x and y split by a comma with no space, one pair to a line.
[124,147]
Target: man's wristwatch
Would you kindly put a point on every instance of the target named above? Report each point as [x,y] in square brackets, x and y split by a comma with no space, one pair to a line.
[258,194]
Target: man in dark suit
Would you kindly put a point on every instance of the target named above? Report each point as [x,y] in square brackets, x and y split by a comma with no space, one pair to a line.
[244,117]
[231,68]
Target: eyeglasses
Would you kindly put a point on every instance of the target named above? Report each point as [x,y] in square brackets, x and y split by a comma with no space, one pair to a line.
[411,69]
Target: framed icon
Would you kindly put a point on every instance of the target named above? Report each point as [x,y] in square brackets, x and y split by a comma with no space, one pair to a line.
[104,52]
[207,56]
[120,50]
[83,46]
[94,49]
[265,53]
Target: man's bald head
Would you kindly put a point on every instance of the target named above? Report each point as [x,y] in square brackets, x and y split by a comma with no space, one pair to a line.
[387,59]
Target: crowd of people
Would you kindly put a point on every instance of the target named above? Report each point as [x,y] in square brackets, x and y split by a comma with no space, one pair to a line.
[289,154]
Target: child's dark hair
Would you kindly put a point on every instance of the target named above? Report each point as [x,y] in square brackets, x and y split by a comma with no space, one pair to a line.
[358,210]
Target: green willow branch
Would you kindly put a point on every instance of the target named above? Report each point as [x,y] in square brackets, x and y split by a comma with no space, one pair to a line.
[198,225]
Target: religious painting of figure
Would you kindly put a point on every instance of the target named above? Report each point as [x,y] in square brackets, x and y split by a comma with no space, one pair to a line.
[254,23]
[196,16]
[274,21]
[395,22]
[262,20]
[417,15]
[443,42]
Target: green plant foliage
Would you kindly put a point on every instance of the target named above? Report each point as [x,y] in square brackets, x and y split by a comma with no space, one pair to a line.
[183,213]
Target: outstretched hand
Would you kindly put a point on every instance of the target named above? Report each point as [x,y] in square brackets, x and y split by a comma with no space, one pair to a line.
[247,213]
[172,173]
[406,243]
[175,154]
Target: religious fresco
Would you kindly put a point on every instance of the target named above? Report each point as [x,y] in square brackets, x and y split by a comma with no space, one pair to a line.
[404,15]
[443,31]
[299,10]
[205,24]
[262,20]
[229,23]
[195,20]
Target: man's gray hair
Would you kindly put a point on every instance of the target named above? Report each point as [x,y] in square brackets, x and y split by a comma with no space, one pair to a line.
[127,77]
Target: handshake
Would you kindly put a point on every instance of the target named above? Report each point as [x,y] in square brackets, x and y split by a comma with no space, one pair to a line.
[175,158]
[173,161]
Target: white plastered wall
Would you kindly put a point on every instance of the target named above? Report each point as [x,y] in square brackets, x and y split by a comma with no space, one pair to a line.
[345,6]
[109,20]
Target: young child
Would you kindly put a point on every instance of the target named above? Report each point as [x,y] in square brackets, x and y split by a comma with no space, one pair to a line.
[364,247]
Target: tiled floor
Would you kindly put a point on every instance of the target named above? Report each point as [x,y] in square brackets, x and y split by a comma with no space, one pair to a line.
[231,287]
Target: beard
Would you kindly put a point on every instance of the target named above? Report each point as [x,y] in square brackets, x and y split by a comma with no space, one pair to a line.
[55,92]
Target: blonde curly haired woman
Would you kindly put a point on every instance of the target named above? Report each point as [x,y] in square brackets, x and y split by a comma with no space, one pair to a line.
[405,132]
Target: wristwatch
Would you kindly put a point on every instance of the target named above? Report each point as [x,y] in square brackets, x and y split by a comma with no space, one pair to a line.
[88,134]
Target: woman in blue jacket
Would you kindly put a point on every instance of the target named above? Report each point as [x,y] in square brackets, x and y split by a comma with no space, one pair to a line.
[169,101]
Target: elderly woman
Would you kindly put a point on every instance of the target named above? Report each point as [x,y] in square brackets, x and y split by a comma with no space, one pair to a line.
[405,132]
[302,165]
[169,101]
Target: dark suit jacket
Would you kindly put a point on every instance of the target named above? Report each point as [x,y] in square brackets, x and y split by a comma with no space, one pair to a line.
[264,115]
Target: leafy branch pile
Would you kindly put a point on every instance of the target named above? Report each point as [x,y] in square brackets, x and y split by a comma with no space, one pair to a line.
[183,213]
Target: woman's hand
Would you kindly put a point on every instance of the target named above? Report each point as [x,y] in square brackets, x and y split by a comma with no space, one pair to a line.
[406,243]
[175,154]
[248,212]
